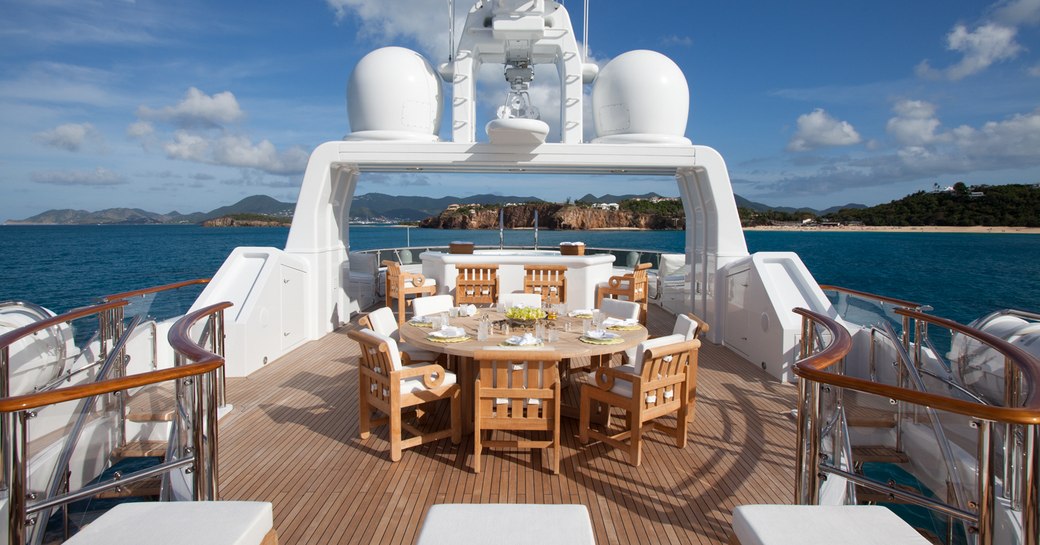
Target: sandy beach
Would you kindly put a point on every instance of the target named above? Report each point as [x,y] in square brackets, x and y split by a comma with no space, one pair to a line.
[913,229]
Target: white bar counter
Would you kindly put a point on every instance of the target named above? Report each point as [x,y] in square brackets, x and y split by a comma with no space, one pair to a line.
[583,271]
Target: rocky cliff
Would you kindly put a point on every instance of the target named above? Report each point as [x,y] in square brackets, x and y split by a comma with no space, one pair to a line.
[550,216]
[247,220]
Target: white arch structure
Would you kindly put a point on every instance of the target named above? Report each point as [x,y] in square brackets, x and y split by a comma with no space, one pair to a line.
[285,297]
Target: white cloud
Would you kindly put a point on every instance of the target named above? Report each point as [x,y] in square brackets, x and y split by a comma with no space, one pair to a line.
[915,123]
[1011,143]
[675,40]
[236,151]
[990,42]
[818,129]
[140,130]
[188,147]
[422,21]
[240,151]
[60,83]
[982,47]
[70,136]
[1017,12]
[1034,71]
[198,109]
[97,177]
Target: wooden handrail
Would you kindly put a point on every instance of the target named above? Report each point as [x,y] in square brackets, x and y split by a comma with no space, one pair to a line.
[868,295]
[33,401]
[815,368]
[1027,363]
[9,338]
[156,289]
[178,337]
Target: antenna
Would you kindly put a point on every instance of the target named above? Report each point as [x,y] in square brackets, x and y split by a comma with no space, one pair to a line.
[585,31]
[451,30]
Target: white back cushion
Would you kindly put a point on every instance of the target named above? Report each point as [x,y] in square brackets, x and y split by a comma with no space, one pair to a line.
[622,310]
[395,353]
[383,321]
[684,326]
[520,300]
[424,306]
[637,364]
[363,263]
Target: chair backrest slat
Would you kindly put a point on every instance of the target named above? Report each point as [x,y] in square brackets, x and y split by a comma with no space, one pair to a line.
[549,281]
[476,284]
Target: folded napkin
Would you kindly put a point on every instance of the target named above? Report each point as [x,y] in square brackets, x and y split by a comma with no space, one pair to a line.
[615,321]
[580,312]
[451,331]
[526,339]
[601,334]
[421,320]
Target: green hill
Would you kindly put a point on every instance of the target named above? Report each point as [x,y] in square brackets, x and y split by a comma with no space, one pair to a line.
[1016,205]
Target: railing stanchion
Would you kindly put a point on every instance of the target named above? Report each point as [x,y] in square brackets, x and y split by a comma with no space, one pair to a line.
[800,496]
[213,435]
[18,423]
[1030,485]
[985,476]
[198,424]
[5,391]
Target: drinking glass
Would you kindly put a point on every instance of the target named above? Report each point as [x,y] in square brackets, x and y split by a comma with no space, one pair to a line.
[586,325]
[436,322]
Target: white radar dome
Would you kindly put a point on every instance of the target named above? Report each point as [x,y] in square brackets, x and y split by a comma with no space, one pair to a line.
[640,97]
[394,94]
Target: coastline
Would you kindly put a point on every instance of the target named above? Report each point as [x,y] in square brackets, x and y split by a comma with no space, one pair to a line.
[909,229]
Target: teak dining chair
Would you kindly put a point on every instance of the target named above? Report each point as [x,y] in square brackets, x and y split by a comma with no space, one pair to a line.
[631,286]
[660,382]
[549,281]
[516,390]
[476,284]
[382,321]
[387,386]
[400,284]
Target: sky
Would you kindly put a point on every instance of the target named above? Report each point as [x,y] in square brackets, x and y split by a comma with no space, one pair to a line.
[191,105]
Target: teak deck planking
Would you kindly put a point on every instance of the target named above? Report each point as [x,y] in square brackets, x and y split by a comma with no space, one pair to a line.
[292,439]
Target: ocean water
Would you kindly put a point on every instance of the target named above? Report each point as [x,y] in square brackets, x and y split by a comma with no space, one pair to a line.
[962,276]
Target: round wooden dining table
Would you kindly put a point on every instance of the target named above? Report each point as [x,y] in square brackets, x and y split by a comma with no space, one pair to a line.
[569,346]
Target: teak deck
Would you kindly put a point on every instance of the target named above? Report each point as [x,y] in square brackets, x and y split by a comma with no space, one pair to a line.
[292,439]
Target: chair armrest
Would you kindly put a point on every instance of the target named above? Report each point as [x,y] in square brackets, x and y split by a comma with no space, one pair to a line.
[605,377]
[432,374]
[417,278]
[615,281]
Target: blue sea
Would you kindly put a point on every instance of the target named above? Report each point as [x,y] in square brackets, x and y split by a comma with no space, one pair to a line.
[962,276]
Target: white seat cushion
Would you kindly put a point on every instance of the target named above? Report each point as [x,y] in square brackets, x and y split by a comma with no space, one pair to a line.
[822,525]
[507,524]
[178,523]
[426,283]
[410,385]
[416,353]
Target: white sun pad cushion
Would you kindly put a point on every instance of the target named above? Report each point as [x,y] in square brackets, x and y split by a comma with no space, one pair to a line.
[822,525]
[506,524]
[180,522]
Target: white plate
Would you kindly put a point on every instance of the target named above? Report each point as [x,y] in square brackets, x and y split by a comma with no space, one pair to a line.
[441,334]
